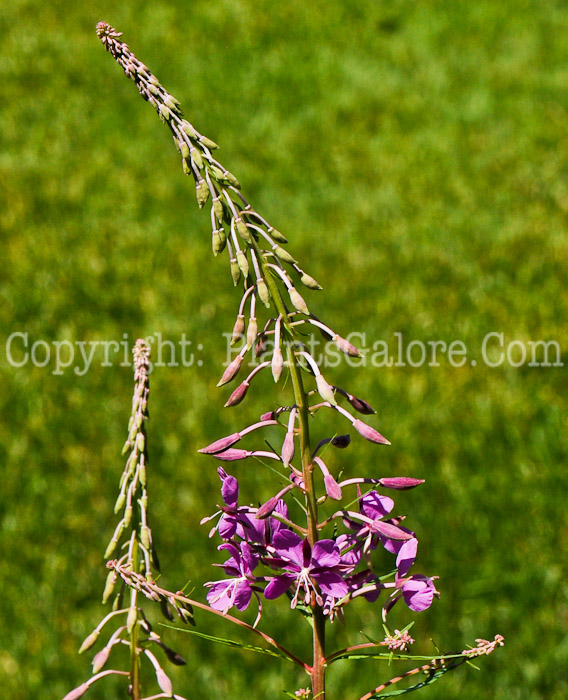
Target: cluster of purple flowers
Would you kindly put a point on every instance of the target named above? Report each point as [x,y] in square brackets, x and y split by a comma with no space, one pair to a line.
[269,555]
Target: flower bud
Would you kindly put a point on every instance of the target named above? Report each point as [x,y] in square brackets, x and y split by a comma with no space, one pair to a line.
[100,659]
[201,192]
[184,150]
[189,130]
[267,509]
[400,482]
[309,282]
[238,328]
[252,330]
[298,301]
[341,441]
[238,395]
[231,371]
[89,641]
[208,143]
[243,230]
[277,236]
[219,241]
[77,693]
[261,345]
[235,271]
[325,390]
[360,405]
[221,444]
[283,254]
[277,364]
[131,618]
[196,158]
[369,433]
[231,455]
[263,292]
[242,263]
[271,415]
[332,488]
[288,449]
[109,586]
[218,208]
[345,346]
[231,179]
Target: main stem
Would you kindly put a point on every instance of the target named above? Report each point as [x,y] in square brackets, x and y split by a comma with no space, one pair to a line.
[318,669]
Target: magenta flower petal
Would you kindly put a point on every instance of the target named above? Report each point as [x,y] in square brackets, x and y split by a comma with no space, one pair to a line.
[326,553]
[230,491]
[374,505]
[278,586]
[406,556]
[242,595]
[418,592]
[331,583]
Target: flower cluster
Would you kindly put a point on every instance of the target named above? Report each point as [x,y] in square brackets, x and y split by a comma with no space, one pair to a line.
[270,555]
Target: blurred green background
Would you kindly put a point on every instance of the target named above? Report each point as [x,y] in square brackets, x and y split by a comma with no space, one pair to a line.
[415,155]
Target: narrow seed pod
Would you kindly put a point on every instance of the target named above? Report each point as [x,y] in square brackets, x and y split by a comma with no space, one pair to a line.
[242,263]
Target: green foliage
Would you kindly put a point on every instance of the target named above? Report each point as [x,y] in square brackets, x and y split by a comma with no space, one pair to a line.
[415,152]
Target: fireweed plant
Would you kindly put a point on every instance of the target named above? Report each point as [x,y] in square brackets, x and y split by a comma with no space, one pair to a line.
[325,560]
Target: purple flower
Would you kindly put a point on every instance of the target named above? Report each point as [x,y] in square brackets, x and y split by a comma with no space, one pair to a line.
[304,566]
[418,591]
[236,590]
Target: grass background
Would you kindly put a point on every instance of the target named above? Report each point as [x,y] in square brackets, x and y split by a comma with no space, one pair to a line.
[415,154]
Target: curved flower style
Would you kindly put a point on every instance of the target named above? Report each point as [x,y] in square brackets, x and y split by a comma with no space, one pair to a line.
[236,590]
[305,566]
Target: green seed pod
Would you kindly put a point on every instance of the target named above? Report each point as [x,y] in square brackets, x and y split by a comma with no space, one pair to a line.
[309,281]
[142,473]
[140,442]
[235,272]
[89,641]
[277,236]
[243,230]
[298,301]
[126,447]
[114,541]
[120,501]
[243,263]
[186,167]
[283,254]
[184,149]
[201,192]
[263,292]
[153,89]
[145,536]
[208,143]
[127,516]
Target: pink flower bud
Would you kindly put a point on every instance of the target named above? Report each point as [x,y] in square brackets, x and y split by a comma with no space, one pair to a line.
[369,433]
[332,488]
[391,531]
[238,328]
[341,441]
[265,510]
[277,363]
[400,482]
[360,405]
[77,692]
[271,415]
[325,390]
[221,444]
[345,346]
[288,449]
[231,370]
[231,455]
[238,395]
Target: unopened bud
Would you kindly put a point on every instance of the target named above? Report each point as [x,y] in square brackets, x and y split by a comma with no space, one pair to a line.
[120,501]
[252,330]
[208,143]
[345,346]
[186,166]
[164,682]
[298,301]
[231,455]
[243,263]
[89,641]
[243,230]
[238,395]
[218,241]
[77,693]
[332,488]
[196,158]
[235,271]
[109,586]
[277,236]
[369,433]
[221,444]
[261,345]
[271,415]
[325,390]
[145,538]
[238,328]
[218,208]
[265,510]
[263,292]
[277,364]
[100,659]
[400,482]
[165,610]
[131,619]
[231,179]
[231,370]
[360,405]
[288,449]
[201,192]
[283,254]
[309,282]
[184,150]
